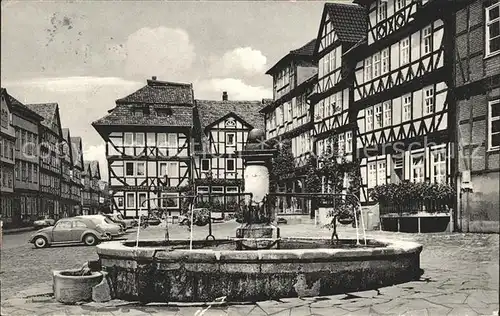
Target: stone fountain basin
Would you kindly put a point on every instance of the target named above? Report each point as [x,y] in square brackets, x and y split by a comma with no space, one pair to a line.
[154,272]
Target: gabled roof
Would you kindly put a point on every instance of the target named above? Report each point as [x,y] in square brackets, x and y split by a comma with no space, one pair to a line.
[76,152]
[50,114]
[155,97]
[16,105]
[305,52]
[92,168]
[211,111]
[348,20]
[161,92]
[87,171]
[66,136]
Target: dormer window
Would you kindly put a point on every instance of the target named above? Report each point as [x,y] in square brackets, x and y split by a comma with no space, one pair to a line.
[167,112]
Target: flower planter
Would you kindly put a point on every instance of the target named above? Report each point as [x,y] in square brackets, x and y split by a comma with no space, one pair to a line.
[70,287]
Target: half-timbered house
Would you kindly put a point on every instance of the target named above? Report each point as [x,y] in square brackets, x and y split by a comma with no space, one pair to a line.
[342,27]
[477,89]
[222,129]
[77,170]
[401,92]
[288,118]
[50,136]
[67,202]
[7,160]
[26,187]
[148,147]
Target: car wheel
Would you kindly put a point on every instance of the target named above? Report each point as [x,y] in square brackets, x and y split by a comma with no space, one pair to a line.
[41,242]
[90,239]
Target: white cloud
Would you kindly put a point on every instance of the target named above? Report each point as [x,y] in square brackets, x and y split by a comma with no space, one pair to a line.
[98,153]
[246,59]
[236,89]
[70,84]
[163,52]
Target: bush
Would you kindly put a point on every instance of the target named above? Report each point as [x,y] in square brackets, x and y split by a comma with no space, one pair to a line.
[201,216]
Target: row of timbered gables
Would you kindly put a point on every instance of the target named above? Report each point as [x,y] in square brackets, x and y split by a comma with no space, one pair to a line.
[92,169]
[171,104]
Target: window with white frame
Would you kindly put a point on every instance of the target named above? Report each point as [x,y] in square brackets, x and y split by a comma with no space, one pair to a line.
[142,196]
[381,10]
[129,169]
[130,200]
[404,51]
[385,61]
[218,192]
[406,107]
[326,64]
[162,140]
[494,125]
[173,169]
[203,191]
[438,160]
[230,165]
[368,69]
[369,119]
[387,113]
[170,200]
[141,169]
[493,28]
[231,190]
[172,140]
[333,62]
[426,40]
[417,167]
[120,201]
[205,165]
[230,139]
[378,116]
[348,142]
[381,173]
[372,174]
[429,100]
[341,144]
[376,65]
[400,4]
[139,139]
[129,139]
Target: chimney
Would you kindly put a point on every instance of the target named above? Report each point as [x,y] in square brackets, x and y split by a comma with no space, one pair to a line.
[224,96]
[154,77]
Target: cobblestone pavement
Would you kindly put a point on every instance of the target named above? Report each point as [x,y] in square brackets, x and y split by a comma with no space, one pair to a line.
[461,277]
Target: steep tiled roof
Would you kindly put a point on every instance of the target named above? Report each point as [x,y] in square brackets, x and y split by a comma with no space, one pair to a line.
[210,111]
[87,169]
[76,151]
[47,111]
[156,96]
[123,114]
[92,167]
[16,104]
[161,92]
[349,21]
[306,51]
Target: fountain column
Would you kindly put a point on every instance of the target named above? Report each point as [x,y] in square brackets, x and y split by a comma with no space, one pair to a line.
[257,157]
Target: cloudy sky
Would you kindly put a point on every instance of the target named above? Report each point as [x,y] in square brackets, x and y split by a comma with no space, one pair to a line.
[84,56]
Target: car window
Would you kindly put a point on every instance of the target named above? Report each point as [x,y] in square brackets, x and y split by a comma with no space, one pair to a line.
[63,225]
[107,220]
[80,224]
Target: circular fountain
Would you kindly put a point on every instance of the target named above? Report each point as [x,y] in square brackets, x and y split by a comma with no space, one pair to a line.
[257,264]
